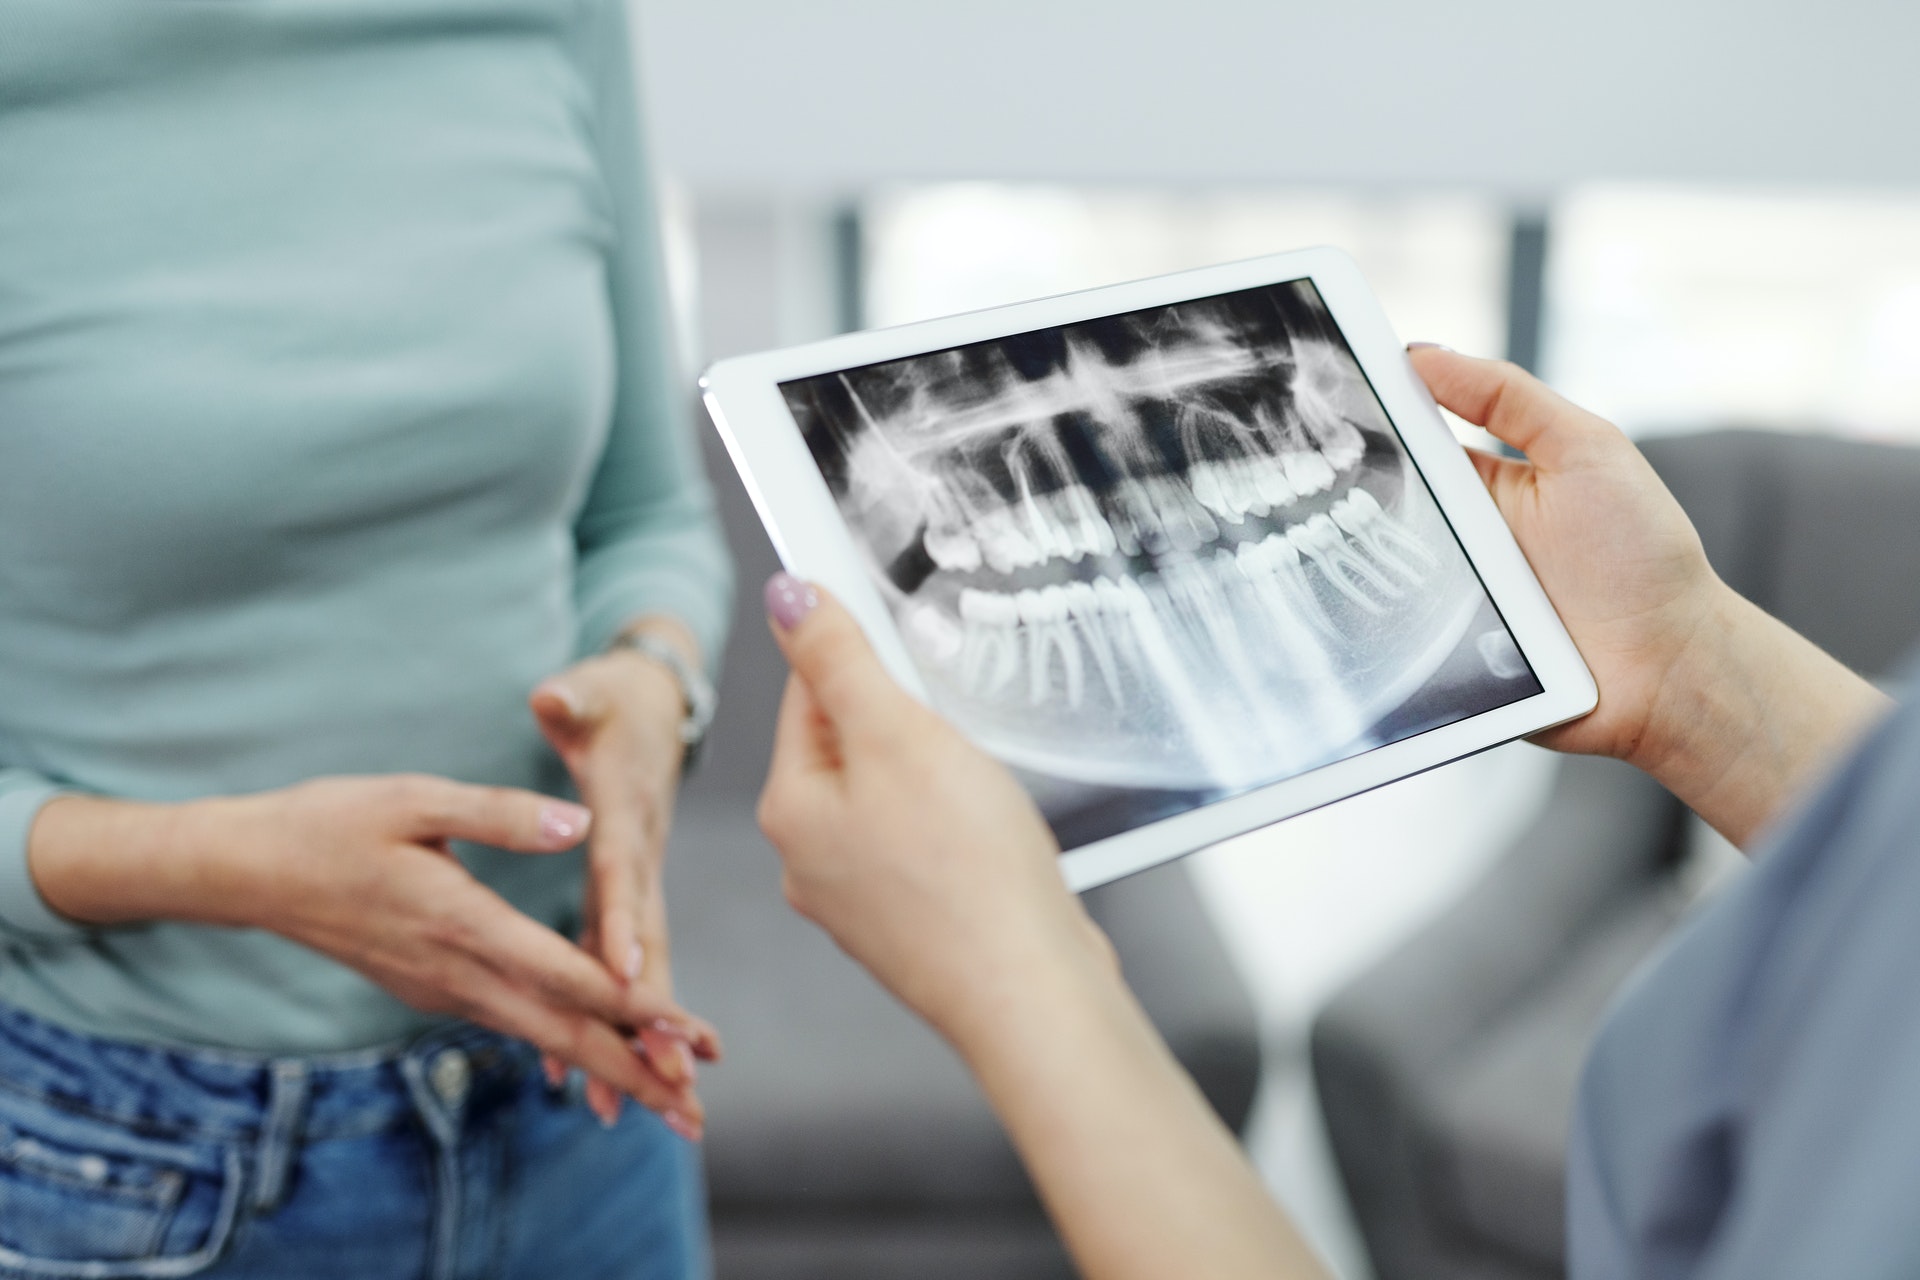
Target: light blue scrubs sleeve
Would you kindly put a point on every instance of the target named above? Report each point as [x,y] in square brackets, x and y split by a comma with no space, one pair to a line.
[648,537]
[24,914]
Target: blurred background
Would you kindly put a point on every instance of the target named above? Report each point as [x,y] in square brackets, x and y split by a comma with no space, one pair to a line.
[1689,217]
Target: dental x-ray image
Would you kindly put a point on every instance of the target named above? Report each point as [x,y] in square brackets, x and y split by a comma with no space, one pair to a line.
[1152,559]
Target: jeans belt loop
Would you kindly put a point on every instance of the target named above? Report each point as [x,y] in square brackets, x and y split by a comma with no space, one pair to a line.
[279,1133]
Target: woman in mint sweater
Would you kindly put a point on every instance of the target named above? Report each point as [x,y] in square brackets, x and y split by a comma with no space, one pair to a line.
[348,513]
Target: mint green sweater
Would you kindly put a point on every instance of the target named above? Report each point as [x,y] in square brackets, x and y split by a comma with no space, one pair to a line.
[337,408]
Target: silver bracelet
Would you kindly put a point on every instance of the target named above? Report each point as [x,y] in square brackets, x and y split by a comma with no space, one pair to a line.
[696,691]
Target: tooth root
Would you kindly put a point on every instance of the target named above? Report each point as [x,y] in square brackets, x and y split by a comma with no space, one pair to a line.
[1282,559]
[1389,528]
[986,664]
[1364,529]
[1322,542]
[1043,641]
[1083,607]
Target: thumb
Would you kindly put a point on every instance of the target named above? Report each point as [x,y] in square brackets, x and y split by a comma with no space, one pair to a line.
[1513,405]
[828,652]
[564,710]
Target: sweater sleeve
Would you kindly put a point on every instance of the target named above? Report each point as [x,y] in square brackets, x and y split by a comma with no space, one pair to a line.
[24,914]
[648,538]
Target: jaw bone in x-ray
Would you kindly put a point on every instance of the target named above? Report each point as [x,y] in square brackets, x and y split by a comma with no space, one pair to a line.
[1179,549]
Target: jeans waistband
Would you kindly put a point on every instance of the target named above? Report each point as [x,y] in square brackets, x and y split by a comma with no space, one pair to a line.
[212,1093]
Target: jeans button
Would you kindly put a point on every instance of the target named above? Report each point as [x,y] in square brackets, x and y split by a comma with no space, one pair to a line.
[450,1074]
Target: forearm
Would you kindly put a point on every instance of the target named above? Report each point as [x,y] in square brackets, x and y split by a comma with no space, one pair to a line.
[108,862]
[1750,716]
[1140,1177]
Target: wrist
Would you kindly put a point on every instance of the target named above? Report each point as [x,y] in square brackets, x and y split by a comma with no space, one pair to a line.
[105,862]
[1688,716]
[1004,1004]
[1749,717]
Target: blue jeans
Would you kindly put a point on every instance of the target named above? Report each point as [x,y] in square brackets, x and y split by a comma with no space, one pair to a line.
[447,1159]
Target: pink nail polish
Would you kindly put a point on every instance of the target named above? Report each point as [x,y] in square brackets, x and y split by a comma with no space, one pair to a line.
[789,600]
[562,823]
[636,960]
[681,1125]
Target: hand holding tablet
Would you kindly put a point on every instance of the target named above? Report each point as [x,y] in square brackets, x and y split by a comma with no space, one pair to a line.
[1190,555]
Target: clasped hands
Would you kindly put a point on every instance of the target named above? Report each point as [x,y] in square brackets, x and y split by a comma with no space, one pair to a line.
[360,869]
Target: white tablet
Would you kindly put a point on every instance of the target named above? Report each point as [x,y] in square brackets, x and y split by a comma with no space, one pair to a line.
[1190,555]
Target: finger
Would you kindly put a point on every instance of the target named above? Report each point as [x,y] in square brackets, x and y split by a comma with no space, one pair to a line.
[604,1101]
[614,862]
[504,817]
[1516,407]
[587,1043]
[671,1056]
[566,710]
[803,737]
[806,763]
[828,652]
[531,955]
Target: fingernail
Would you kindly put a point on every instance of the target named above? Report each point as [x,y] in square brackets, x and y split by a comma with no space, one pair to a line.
[670,1064]
[556,1072]
[681,1125]
[562,823]
[668,1027]
[636,960]
[1431,346]
[789,600]
[565,696]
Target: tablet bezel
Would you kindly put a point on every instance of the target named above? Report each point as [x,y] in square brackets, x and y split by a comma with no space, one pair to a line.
[743,397]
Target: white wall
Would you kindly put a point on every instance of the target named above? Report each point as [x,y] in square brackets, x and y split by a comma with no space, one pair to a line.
[1516,94]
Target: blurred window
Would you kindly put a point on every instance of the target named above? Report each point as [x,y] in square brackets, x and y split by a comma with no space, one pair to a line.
[1674,309]
[1438,262]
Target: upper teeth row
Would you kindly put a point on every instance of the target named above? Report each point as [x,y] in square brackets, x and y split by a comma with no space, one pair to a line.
[1151,514]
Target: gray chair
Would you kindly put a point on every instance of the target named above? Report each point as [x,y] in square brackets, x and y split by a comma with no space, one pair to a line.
[845,1141]
[1447,1072]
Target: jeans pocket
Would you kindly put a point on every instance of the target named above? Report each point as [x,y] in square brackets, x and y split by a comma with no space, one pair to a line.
[85,1197]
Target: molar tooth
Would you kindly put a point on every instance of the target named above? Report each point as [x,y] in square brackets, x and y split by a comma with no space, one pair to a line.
[1307,472]
[939,636]
[1251,557]
[1270,482]
[1004,546]
[1377,529]
[953,549]
[1183,521]
[1241,492]
[1217,487]
[1321,541]
[1340,441]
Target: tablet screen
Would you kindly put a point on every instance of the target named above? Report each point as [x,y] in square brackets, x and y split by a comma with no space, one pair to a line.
[1154,559]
